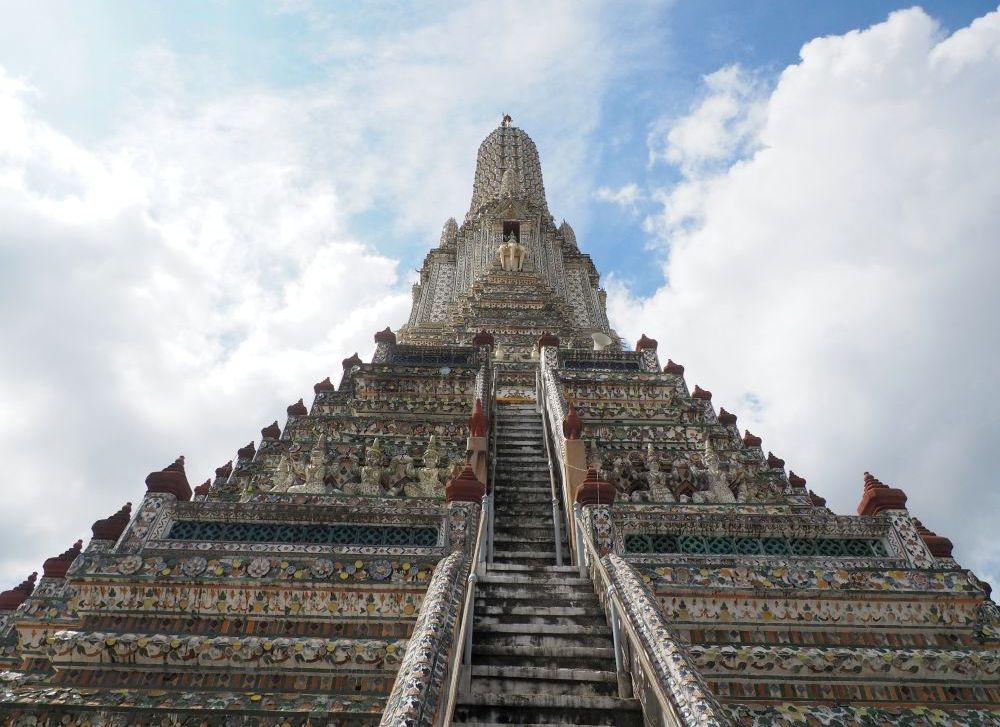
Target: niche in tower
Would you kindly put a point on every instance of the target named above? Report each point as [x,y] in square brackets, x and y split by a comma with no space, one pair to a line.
[511,230]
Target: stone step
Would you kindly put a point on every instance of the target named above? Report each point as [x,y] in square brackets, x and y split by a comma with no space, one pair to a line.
[526,709]
[507,497]
[523,569]
[504,684]
[552,657]
[530,489]
[488,608]
[584,601]
[542,557]
[541,581]
[551,635]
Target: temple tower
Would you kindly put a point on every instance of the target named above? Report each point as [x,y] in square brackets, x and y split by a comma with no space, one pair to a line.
[506,516]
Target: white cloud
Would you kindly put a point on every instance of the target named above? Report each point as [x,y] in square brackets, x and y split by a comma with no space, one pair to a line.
[834,284]
[155,304]
[626,196]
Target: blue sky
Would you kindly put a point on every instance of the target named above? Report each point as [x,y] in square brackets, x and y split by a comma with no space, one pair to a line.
[205,206]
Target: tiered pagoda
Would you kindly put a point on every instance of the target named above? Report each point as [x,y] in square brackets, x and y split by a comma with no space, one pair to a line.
[507,516]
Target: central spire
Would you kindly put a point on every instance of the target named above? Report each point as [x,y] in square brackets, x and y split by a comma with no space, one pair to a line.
[507,165]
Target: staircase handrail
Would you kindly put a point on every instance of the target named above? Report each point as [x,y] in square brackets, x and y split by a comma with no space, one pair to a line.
[556,532]
[461,647]
[679,689]
[491,478]
[553,406]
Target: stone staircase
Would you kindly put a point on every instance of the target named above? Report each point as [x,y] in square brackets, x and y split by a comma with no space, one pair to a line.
[542,650]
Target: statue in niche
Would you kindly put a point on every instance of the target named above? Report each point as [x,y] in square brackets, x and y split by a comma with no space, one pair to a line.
[345,472]
[315,471]
[371,473]
[659,480]
[741,482]
[401,472]
[627,477]
[512,254]
[429,481]
[717,475]
[683,480]
[283,477]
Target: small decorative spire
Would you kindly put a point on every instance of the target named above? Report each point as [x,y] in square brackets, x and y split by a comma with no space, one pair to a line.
[506,121]
[483,338]
[816,500]
[386,336]
[223,472]
[878,497]
[645,343]
[673,368]
[572,424]
[324,385]
[56,566]
[10,600]
[726,419]
[170,480]
[465,487]
[298,409]
[449,234]
[111,527]
[938,545]
[547,339]
[351,362]
[245,454]
[795,481]
[201,491]
[271,431]
[775,463]
[595,491]
[700,393]
[751,440]
[478,423]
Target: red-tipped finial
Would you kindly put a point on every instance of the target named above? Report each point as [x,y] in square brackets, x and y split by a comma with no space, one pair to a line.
[795,481]
[878,497]
[298,409]
[938,545]
[673,368]
[111,527]
[271,431]
[645,343]
[483,338]
[478,423]
[245,454]
[386,336]
[572,424]
[324,385]
[56,566]
[170,480]
[351,362]
[595,491]
[465,487]
[700,393]
[751,440]
[726,418]
[547,339]
[775,463]
[816,500]
[223,472]
[10,600]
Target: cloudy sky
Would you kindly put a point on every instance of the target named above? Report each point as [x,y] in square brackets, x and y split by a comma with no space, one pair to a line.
[205,206]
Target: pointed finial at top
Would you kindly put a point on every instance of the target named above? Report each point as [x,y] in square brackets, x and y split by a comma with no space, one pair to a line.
[506,121]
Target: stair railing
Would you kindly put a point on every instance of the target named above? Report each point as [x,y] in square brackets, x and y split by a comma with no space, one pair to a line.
[556,530]
[491,484]
[461,665]
[680,693]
